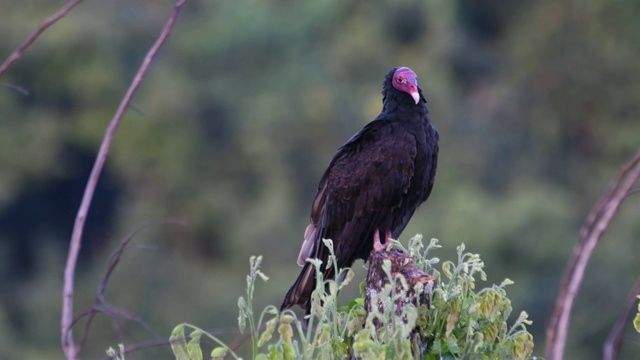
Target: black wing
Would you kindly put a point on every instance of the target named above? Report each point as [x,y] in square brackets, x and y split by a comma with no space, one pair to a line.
[362,190]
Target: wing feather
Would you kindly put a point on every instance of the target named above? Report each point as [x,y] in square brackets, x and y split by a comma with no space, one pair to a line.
[367,178]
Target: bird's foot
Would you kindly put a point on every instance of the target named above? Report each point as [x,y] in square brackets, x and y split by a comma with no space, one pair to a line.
[377,245]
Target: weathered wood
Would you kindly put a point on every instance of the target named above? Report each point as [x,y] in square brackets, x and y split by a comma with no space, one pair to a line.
[417,290]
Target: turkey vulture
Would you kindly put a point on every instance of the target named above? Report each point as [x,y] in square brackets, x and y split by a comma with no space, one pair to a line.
[373,184]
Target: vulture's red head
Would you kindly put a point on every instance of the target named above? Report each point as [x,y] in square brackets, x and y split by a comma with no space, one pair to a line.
[405,80]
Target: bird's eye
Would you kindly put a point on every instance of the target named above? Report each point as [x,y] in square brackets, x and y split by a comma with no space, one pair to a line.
[402,80]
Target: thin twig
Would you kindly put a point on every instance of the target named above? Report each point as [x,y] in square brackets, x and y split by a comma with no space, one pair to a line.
[118,315]
[68,344]
[100,304]
[17,88]
[590,234]
[135,108]
[614,340]
[15,55]
[144,346]
[235,345]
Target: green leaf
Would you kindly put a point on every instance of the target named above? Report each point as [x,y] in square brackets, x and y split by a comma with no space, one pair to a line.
[522,345]
[179,343]
[289,353]
[286,331]
[446,269]
[437,347]
[242,314]
[270,327]
[452,344]
[636,321]
[218,353]
[275,353]
[349,274]
[193,347]
[113,354]
[506,282]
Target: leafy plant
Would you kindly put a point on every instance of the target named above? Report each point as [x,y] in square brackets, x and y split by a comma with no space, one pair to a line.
[115,354]
[636,320]
[458,323]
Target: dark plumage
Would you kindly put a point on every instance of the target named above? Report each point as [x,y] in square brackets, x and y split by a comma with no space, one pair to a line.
[373,184]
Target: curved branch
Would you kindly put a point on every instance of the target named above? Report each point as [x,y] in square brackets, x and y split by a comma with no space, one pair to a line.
[68,344]
[590,234]
[15,55]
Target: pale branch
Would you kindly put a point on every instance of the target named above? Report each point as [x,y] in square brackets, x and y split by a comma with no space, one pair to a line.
[595,225]
[68,344]
[15,55]
[614,340]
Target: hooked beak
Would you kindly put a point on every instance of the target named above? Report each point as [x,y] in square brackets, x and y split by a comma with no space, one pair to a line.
[415,94]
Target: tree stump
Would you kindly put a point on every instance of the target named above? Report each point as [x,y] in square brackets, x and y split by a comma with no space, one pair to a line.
[415,279]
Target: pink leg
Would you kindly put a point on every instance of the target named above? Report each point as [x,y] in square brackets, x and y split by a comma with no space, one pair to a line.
[377,245]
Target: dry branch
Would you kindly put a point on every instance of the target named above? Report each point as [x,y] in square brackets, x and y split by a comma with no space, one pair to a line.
[15,55]
[68,344]
[590,234]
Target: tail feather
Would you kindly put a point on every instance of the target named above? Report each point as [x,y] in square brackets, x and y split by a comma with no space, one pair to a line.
[300,292]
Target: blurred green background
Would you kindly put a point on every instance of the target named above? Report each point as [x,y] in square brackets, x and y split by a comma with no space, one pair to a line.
[537,104]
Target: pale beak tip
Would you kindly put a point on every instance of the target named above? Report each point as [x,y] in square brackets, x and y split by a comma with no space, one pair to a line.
[416,97]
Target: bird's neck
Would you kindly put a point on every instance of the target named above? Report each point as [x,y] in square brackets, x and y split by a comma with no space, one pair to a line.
[406,109]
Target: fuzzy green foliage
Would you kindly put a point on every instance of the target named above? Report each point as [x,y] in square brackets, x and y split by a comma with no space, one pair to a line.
[636,321]
[460,323]
[115,354]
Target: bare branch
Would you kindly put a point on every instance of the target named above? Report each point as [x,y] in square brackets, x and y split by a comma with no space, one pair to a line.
[614,340]
[68,344]
[15,55]
[590,234]
[16,88]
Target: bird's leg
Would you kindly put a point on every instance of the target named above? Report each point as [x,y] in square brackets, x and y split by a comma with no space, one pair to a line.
[377,245]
